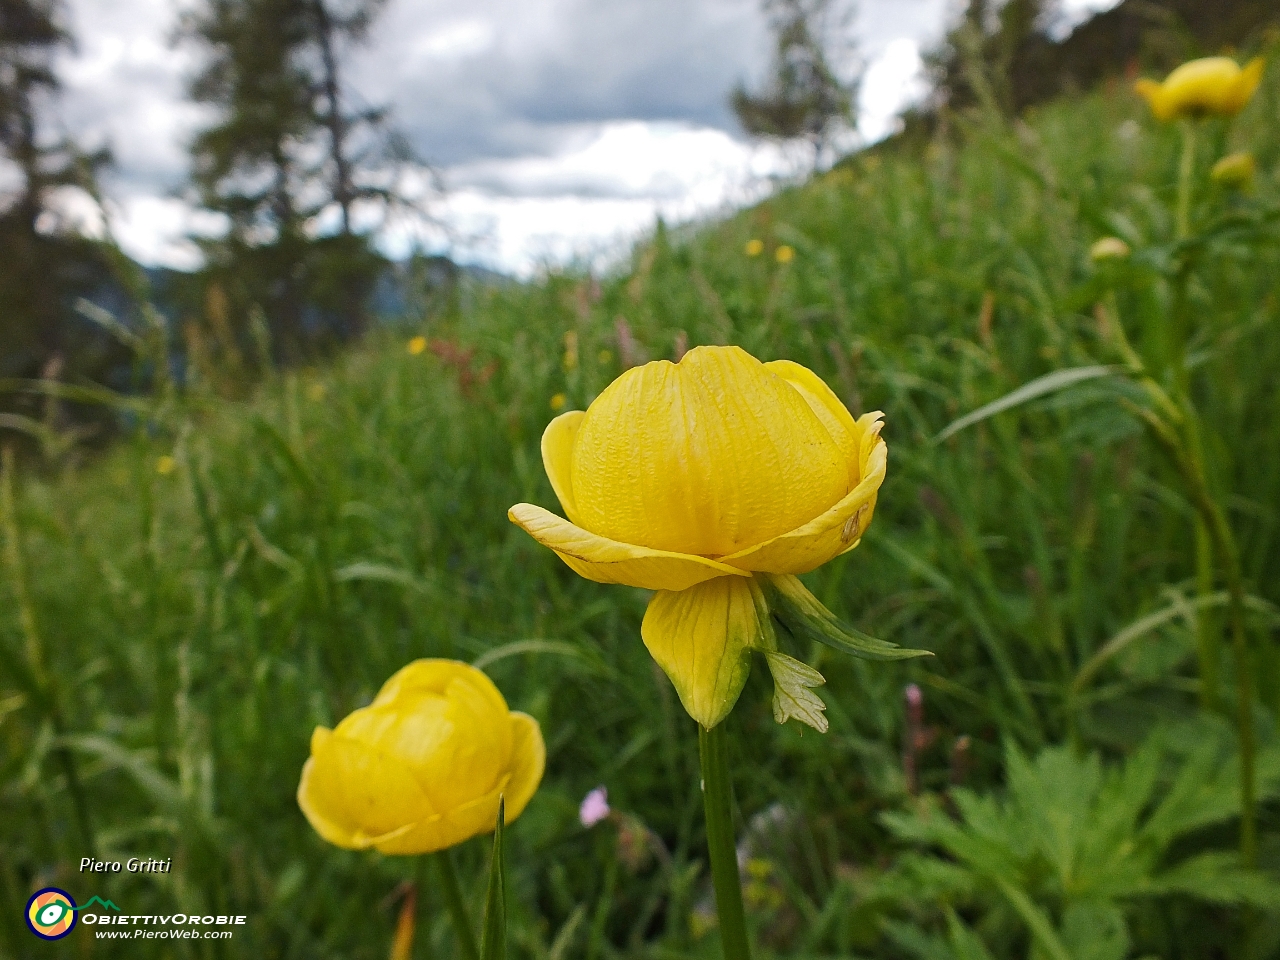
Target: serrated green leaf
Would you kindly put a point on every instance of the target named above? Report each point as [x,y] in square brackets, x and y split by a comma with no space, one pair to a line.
[792,693]
[800,612]
[493,942]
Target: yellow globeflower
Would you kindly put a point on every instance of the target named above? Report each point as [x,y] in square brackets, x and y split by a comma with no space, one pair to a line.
[754,247]
[712,481]
[1209,85]
[421,768]
[784,254]
[416,345]
[165,465]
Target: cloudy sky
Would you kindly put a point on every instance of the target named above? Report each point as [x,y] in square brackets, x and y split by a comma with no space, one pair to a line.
[560,128]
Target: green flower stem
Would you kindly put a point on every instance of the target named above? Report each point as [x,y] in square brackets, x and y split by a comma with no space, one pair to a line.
[1186,458]
[1186,175]
[1229,558]
[717,801]
[1206,628]
[457,906]
[1176,429]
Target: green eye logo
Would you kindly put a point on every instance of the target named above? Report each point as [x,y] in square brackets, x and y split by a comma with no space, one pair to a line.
[51,913]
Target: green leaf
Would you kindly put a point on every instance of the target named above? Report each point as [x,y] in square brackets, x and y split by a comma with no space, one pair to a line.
[363,571]
[800,612]
[1039,387]
[1095,930]
[965,944]
[792,693]
[1218,877]
[493,938]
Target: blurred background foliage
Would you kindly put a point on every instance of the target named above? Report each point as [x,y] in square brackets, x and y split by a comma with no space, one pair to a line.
[279,527]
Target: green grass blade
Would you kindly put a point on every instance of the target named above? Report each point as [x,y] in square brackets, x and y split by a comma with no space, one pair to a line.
[1039,387]
[493,942]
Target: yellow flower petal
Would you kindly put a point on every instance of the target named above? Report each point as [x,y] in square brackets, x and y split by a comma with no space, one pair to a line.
[1246,85]
[702,638]
[478,816]
[447,829]
[707,456]
[1208,85]
[827,407]
[835,531]
[557,458]
[608,561]
[529,760]
[354,796]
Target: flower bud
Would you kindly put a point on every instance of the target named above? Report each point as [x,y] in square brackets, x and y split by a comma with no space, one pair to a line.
[1235,170]
[1108,248]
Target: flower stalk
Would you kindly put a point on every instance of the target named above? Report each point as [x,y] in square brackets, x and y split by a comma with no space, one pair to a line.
[1186,177]
[1175,428]
[717,802]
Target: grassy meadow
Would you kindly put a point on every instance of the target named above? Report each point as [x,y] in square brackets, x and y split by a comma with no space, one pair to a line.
[178,613]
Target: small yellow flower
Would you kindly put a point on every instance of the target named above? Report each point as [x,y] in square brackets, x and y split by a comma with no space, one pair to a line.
[1210,85]
[422,767]
[754,248]
[605,357]
[570,361]
[1108,248]
[784,254]
[1235,170]
[416,345]
[558,400]
[165,465]
[688,478]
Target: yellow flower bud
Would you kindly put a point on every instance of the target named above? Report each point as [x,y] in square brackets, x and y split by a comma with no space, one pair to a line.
[784,254]
[421,768]
[686,478]
[1108,248]
[416,345]
[558,400]
[1235,170]
[754,248]
[1210,85]
[165,465]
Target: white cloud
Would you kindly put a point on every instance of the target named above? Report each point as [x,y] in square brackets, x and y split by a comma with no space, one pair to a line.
[893,82]
[560,125]
[457,41]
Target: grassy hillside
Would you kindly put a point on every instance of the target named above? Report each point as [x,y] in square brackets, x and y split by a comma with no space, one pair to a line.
[176,616]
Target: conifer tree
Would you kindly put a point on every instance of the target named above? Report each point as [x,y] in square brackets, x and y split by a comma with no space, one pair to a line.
[283,160]
[803,98]
[44,265]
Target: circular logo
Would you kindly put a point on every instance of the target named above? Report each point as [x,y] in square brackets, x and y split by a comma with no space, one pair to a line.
[51,913]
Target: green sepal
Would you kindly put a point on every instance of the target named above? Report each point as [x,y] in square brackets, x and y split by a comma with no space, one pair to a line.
[800,613]
[793,696]
[493,937]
